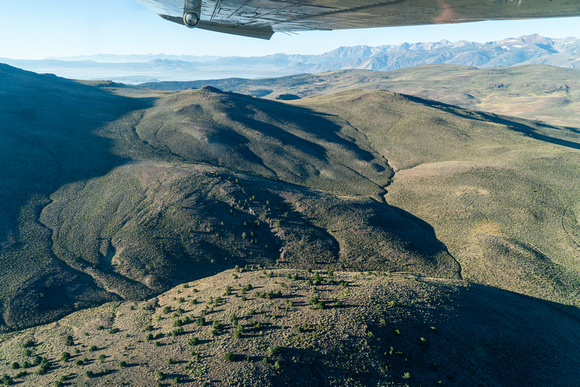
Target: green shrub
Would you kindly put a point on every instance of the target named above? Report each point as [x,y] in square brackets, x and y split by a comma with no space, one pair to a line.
[69,341]
[114,330]
[44,367]
[28,344]
[273,350]
[122,364]
[239,331]
[159,375]
[230,356]
[6,380]
[65,356]
[15,365]
[193,341]
[93,348]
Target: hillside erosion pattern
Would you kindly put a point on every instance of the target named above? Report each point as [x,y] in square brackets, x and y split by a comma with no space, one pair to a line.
[152,189]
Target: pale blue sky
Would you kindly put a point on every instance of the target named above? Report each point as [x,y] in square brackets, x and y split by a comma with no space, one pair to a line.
[35,29]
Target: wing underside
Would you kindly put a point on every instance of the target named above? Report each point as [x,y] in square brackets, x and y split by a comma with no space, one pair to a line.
[261,18]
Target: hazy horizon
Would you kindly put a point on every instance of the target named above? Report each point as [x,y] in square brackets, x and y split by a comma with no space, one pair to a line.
[124,27]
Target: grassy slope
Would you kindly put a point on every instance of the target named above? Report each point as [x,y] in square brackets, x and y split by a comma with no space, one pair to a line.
[499,194]
[372,329]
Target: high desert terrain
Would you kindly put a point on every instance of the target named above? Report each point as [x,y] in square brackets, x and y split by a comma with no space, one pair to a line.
[329,232]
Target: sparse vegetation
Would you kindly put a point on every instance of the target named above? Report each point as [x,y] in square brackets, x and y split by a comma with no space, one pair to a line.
[327,257]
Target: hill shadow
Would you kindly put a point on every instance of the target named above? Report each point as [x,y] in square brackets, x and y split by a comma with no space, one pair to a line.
[49,137]
[528,128]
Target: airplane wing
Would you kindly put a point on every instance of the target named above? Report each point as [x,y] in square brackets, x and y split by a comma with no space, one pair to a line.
[262,18]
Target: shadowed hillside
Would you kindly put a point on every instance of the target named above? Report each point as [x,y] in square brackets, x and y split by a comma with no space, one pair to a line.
[290,327]
[158,189]
[351,222]
[47,138]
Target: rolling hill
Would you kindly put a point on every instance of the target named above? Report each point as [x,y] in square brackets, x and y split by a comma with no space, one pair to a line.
[443,241]
[535,92]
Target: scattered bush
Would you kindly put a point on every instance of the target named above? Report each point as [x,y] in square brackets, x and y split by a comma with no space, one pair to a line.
[44,366]
[239,331]
[6,380]
[69,341]
[273,350]
[193,341]
[65,356]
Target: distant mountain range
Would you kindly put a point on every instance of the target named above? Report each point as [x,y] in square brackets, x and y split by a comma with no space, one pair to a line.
[532,49]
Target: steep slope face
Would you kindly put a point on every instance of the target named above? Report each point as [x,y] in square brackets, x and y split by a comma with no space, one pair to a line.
[292,327]
[500,193]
